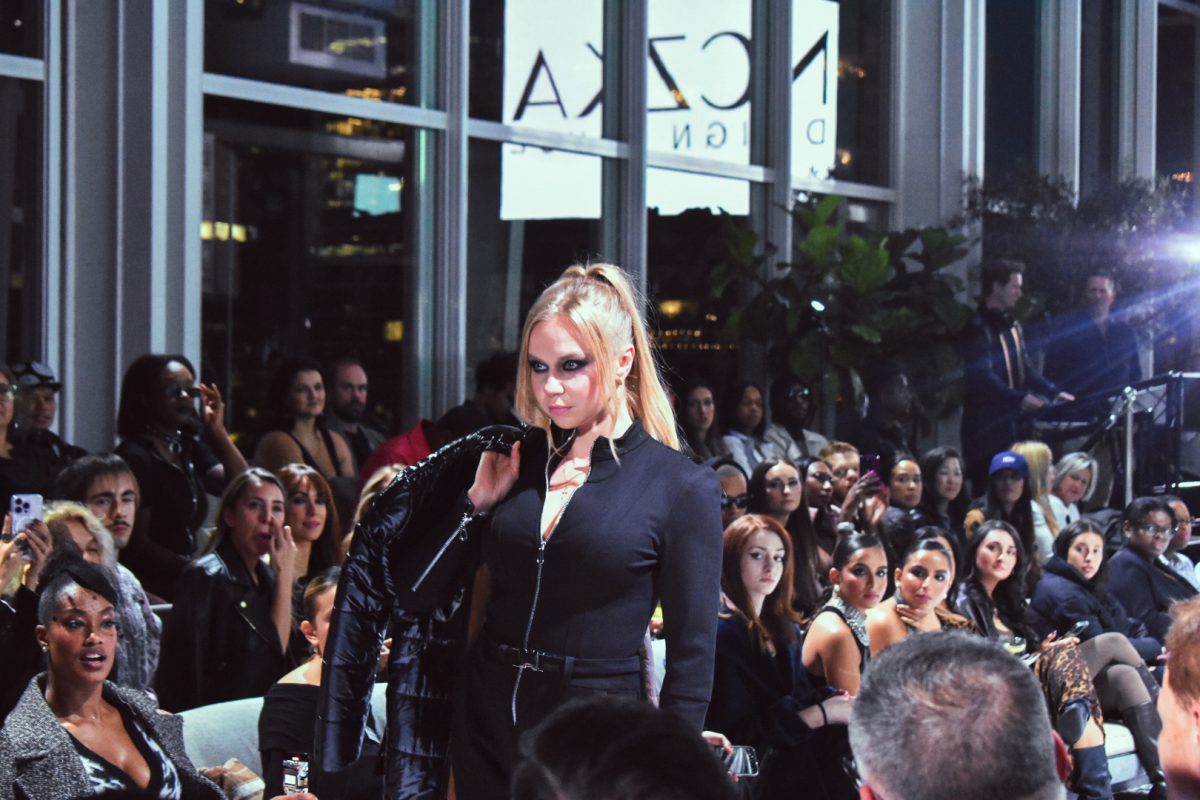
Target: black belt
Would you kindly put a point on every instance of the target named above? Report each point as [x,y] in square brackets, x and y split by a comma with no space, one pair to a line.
[567,666]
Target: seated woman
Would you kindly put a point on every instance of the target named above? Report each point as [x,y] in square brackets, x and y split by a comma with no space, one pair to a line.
[141,631]
[176,468]
[1074,589]
[698,418]
[792,405]
[775,490]
[943,501]
[818,495]
[905,489]
[1074,482]
[761,694]
[923,579]
[288,720]
[747,422]
[310,513]
[74,734]
[1008,499]
[992,598]
[228,634]
[837,647]
[295,431]
[1041,474]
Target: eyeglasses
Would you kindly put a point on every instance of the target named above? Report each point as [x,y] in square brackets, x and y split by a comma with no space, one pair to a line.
[741,501]
[821,477]
[778,485]
[8,390]
[172,392]
[1156,531]
[799,393]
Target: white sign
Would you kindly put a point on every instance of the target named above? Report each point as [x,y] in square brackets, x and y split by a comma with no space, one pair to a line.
[698,97]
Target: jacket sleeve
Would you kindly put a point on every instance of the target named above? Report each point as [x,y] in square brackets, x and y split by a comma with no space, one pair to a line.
[1147,646]
[187,643]
[690,577]
[1132,584]
[981,375]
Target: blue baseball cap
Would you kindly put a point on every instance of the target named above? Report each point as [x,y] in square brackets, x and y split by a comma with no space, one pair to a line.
[1007,459]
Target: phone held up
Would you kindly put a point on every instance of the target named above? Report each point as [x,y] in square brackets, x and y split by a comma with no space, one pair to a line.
[742,761]
[24,509]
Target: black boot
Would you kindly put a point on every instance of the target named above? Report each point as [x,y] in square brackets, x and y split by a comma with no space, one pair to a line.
[1145,725]
[1091,779]
[1151,682]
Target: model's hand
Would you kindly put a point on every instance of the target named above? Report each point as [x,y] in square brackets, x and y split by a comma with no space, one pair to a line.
[1063,397]
[494,478]
[1031,402]
[283,552]
[37,535]
[212,409]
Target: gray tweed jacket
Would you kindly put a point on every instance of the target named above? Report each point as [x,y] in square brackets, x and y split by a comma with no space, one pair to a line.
[38,760]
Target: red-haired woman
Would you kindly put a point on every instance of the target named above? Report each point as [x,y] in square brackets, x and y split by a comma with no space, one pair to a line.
[761,692]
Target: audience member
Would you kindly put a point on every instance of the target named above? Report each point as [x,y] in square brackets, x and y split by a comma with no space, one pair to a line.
[761,694]
[991,596]
[229,631]
[698,418]
[923,577]
[495,390]
[73,733]
[746,422]
[1074,482]
[1179,704]
[141,631]
[887,428]
[775,489]
[1074,590]
[375,485]
[1041,474]
[734,490]
[175,469]
[313,519]
[41,452]
[1140,580]
[22,558]
[1008,498]
[348,409]
[288,720]
[905,488]
[792,407]
[1090,351]
[943,501]
[612,748]
[859,498]
[407,448]
[1000,386]
[818,495]
[1174,555]
[946,717]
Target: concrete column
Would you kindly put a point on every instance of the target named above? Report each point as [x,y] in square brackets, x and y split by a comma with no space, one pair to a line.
[1059,73]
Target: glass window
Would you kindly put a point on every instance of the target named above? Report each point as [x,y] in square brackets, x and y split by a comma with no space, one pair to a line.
[684,244]
[307,247]
[817,88]
[377,50]
[523,233]
[863,95]
[21,31]
[1176,95]
[1099,91]
[21,188]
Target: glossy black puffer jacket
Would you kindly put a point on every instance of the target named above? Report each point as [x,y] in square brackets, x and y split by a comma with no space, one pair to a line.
[408,561]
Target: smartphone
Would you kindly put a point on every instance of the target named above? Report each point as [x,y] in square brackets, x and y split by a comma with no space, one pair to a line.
[870,462]
[1076,629]
[25,509]
[295,774]
[742,761]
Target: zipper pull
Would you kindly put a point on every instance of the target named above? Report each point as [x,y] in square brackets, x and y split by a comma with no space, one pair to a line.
[541,551]
[461,533]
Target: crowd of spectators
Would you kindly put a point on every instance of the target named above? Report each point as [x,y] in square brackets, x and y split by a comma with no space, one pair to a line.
[840,555]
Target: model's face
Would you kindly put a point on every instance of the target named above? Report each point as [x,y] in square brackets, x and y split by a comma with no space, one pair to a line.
[749,410]
[949,479]
[1183,526]
[863,580]
[1006,296]
[85,541]
[254,517]
[1179,742]
[113,499]
[350,392]
[762,564]
[1074,486]
[906,484]
[39,403]
[81,638]
[925,579]
[698,411]
[783,489]
[844,467]
[176,402]
[818,482]
[996,557]
[1086,554]
[733,504]
[1099,294]
[306,512]
[565,384]
[1151,538]
[306,395]
[1009,485]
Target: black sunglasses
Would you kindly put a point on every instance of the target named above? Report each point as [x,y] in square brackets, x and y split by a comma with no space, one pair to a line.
[741,501]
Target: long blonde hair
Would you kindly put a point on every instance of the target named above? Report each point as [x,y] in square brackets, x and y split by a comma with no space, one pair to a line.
[1038,457]
[601,304]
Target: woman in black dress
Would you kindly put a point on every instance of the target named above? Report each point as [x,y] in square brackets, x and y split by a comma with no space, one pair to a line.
[593,520]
